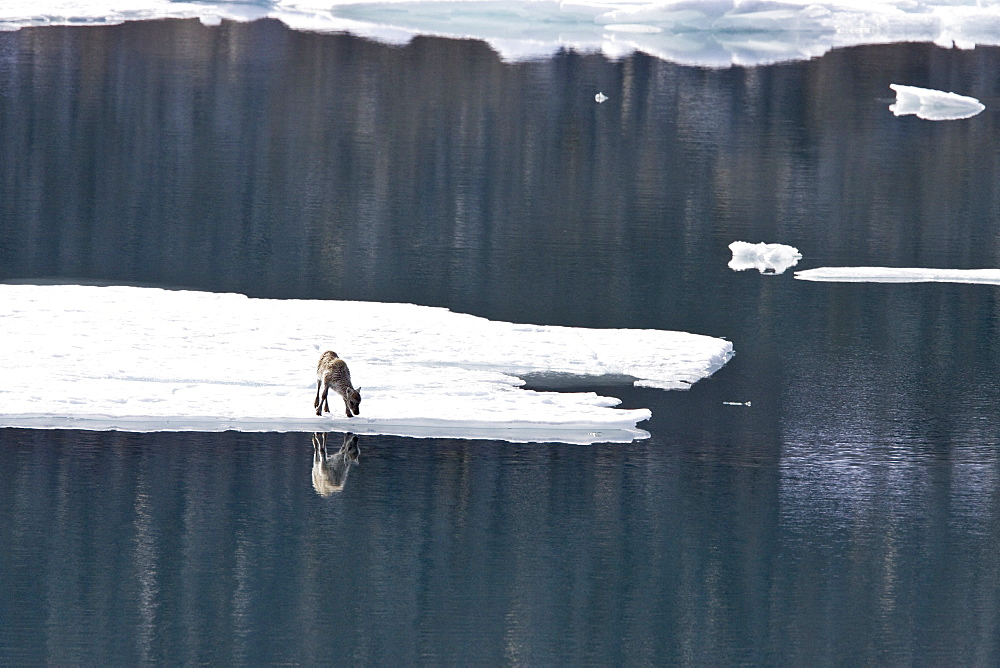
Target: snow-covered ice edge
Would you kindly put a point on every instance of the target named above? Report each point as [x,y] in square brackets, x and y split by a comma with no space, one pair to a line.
[148,359]
[713,33]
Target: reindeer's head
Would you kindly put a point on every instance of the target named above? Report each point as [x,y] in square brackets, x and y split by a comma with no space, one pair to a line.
[354,399]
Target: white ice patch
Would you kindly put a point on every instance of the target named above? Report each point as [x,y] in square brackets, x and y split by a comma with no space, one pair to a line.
[713,33]
[933,105]
[146,359]
[899,275]
[765,258]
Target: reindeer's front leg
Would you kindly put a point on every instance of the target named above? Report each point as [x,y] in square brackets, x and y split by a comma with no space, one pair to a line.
[316,403]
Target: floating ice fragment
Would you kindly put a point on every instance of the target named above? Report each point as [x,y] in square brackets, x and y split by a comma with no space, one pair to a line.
[736,403]
[933,105]
[600,97]
[765,258]
[146,359]
[899,275]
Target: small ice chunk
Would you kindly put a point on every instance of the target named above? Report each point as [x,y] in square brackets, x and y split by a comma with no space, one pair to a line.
[600,97]
[933,105]
[765,258]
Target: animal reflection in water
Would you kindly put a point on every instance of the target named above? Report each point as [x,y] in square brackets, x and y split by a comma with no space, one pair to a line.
[330,472]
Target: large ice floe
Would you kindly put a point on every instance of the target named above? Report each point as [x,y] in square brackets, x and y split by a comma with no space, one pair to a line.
[899,275]
[765,258]
[716,33]
[933,105]
[148,359]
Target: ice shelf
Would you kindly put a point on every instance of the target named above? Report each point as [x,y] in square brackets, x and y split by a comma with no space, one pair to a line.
[714,33]
[149,359]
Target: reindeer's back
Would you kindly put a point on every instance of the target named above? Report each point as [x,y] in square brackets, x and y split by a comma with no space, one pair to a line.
[338,375]
[325,360]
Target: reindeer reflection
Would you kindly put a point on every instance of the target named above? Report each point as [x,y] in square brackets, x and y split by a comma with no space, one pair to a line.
[329,473]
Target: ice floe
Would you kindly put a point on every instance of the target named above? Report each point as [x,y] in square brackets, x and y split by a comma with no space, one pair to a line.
[715,33]
[147,359]
[933,105]
[765,258]
[899,275]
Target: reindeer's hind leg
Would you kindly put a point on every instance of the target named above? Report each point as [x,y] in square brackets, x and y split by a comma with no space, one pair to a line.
[324,402]
[321,403]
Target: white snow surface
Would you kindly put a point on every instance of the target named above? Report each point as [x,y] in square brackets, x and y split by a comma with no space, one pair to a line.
[899,275]
[933,105]
[715,33]
[149,359]
[765,258]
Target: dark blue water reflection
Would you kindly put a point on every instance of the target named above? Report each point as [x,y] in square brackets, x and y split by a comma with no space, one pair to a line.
[172,548]
[214,550]
[851,515]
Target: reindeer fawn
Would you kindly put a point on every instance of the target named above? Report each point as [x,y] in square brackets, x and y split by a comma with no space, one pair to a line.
[329,474]
[333,372]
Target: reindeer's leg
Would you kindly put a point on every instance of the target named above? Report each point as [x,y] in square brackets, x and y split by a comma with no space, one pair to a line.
[325,403]
[347,406]
[321,402]
[316,403]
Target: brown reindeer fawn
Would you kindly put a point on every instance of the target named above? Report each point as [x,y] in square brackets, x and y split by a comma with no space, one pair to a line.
[333,372]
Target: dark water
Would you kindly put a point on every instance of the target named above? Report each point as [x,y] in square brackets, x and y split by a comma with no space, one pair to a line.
[850,516]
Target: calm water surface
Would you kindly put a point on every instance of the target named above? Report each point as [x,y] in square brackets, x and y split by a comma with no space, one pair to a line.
[851,515]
